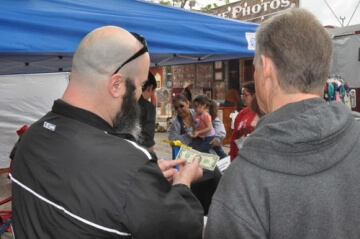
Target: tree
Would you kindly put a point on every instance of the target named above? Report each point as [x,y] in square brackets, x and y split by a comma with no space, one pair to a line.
[208,7]
[174,3]
[192,3]
[165,2]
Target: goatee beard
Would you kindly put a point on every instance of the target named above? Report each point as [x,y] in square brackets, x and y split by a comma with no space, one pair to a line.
[127,120]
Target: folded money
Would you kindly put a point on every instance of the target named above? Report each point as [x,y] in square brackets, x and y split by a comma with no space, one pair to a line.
[207,161]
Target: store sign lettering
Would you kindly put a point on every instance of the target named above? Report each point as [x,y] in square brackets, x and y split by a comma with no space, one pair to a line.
[244,9]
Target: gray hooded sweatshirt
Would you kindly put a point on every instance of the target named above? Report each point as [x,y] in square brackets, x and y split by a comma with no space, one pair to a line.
[297,176]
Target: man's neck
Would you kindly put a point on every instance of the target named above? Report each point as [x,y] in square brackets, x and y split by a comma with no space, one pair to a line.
[284,99]
[79,99]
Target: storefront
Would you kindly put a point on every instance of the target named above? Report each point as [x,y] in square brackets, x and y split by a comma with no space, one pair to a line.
[215,79]
[253,10]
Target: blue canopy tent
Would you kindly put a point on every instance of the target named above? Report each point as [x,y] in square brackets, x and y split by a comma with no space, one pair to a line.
[41,36]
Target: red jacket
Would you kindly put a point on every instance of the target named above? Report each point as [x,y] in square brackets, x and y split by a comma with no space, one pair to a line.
[242,127]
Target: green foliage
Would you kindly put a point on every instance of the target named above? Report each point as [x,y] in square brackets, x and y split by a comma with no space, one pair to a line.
[182,3]
[165,2]
[174,3]
[208,7]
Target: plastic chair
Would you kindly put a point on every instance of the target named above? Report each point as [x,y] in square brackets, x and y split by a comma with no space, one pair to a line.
[6,215]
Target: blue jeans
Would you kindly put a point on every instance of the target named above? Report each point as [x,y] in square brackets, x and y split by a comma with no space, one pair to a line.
[220,152]
[203,145]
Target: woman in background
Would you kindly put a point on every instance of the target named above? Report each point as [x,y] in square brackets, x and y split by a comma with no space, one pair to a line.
[246,120]
[205,187]
[233,98]
[183,121]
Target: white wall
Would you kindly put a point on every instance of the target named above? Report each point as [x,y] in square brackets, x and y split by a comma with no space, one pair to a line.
[24,99]
[346,59]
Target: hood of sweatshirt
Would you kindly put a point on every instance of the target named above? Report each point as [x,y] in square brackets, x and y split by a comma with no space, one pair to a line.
[302,138]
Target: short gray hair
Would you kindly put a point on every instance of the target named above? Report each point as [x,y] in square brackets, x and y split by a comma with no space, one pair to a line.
[300,48]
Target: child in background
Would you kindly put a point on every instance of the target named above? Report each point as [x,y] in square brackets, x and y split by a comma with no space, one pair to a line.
[203,131]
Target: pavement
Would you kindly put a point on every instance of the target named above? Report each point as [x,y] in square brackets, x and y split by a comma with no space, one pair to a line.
[162,149]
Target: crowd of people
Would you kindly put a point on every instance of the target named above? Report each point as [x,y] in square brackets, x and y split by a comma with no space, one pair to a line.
[87,169]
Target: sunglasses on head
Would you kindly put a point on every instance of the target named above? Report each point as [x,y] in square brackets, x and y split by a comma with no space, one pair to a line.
[138,53]
[178,107]
[244,95]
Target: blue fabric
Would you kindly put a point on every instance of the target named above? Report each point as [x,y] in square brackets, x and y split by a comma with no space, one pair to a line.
[220,152]
[203,145]
[331,91]
[33,30]
[342,93]
[175,151]
[5,226]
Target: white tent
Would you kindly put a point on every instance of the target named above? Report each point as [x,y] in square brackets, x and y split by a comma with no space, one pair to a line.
[346,54]
[40,37]
[24,99]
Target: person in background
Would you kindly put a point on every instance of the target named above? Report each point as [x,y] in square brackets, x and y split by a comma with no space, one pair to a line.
[78,172]
[188,85]
[246,119]
[205,187]
[297,175]
[183,121]
[202,131]
[148,113]
[233,98]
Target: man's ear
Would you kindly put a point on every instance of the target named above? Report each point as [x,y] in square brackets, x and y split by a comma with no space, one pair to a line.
[116,85]
[270,74]
[267,66]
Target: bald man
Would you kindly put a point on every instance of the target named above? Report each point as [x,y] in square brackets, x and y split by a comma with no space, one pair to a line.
[78,172]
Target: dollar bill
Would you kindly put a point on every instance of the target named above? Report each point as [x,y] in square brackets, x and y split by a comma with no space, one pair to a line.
[207,161]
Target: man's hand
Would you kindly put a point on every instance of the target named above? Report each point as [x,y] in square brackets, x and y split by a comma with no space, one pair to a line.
[188,173]
[167,167]
[185,174]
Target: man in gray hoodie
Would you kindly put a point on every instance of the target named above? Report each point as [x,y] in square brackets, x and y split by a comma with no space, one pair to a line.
[297,175]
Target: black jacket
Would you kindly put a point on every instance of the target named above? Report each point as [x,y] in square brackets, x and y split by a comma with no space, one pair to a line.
[147,121]
[74,179]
